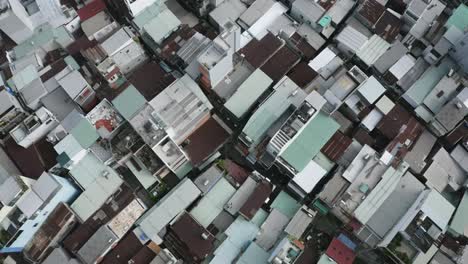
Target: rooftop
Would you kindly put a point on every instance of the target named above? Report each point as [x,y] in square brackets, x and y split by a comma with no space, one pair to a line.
[253,254]
[340,253]
[309,141]
[285,93]
[459,222]
[97,245]
[213,202]
[150,79]
[77,238]
[278,65]
[285,204]
[249,91]
[126,249]
[257,52]
[271,229]
[161,26]
[336,146]
[129,102]
[388,26]
[206,140]
[458,18]
[192,236]
[302,74]
[91,9]
[160,215]
[371,10]
[256,199]
[60,220]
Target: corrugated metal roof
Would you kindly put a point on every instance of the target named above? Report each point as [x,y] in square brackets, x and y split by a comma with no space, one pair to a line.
[161,26]
[254,254]
[378,195]
[396,205]
[352,38]
[372,50]
[309,141]
[299,223]
[148,14]
[177,200]
[392,55]
[213,202]
[249,91]
[129,102]
[271,229]
[272,108]
[424,85]
[99,181]
[256,11]
[239,234]
[459,222]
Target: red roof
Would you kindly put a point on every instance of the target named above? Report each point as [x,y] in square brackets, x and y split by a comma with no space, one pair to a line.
[340,253]
[91,9]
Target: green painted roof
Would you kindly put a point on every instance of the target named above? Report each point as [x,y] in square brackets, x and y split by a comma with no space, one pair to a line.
[148,14]
[324,162]
[254,254]
[213,202]
[85,133]
[183,170]
[269,112]
[248,93]
[322,209]
[286,204]
[260,217]
[42,35]
[72,62]
[307,144]
[161,26]
[129,102]
[424,85]
[459,18]
[459,222]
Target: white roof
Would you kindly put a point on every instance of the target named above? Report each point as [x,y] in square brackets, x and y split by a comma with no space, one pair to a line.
[45,186]
[99,181]
[309,176]
[73,83]
[256,11]
[29,203]
[371,89]
[358,163]
[385,105]
[322,59]
[463,96]
[173,203]
[116,42]
[316,100]
[438,209]
[402,66]
[372,119]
